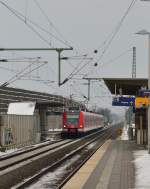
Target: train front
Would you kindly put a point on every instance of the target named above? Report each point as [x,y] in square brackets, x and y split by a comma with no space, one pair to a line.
[72,123]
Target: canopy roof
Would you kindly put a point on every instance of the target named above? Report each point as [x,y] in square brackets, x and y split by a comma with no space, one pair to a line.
[127,86]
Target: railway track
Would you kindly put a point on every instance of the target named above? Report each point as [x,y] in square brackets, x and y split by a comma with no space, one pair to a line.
[79,156]
[27,149]
[9,161]
[14,170]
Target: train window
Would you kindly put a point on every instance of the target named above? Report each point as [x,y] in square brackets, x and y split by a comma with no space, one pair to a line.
[72,119]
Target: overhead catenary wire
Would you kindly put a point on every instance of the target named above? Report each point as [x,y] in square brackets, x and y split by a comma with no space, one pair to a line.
[79,90]
[115,32]
[77,70]
[8,69]
[26,9]
[23,19]
[27,21]
[76,67]
[108,38]
[15,60]
[24,60]
[111,61]
[117,57]
[26,73]
[56,29]
[19,59]
[40,80]
[19,74]
[50,22]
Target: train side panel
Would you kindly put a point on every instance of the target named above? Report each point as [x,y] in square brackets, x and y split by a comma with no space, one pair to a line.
[92,121]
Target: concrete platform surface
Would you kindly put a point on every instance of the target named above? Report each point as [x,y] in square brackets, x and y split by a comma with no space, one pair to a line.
[111,167]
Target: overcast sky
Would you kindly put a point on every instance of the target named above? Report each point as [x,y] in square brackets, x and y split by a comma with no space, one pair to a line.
[86,25]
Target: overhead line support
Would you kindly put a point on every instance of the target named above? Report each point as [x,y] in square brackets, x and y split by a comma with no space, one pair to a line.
[89,84]
[58,50]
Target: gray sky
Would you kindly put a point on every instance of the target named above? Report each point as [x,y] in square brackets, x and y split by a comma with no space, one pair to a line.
[86,24]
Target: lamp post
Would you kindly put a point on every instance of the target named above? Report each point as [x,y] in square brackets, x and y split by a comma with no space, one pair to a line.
[144,32]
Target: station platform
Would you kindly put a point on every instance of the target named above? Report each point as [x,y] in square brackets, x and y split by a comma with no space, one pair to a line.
[111,167]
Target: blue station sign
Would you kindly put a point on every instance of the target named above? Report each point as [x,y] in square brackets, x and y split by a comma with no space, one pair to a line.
[123,101]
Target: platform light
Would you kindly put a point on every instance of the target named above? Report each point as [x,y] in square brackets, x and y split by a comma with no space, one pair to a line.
[145,32]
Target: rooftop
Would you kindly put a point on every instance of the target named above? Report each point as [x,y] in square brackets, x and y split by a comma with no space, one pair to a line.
[128,86]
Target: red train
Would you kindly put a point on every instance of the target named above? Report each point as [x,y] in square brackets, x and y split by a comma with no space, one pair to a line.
[79,123]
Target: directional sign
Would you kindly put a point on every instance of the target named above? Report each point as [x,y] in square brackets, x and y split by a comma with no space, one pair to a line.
[141,102]
[123,101]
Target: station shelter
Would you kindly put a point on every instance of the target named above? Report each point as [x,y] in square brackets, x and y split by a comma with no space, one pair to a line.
[131,87]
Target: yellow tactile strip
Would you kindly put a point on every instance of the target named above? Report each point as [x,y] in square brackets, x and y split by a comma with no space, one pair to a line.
[80,178]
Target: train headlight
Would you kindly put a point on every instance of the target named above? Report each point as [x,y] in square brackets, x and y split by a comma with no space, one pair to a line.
[81,126]
[65,126]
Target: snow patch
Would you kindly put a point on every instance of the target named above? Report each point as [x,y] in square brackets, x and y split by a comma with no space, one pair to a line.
[124,135]
[11,151]
[56,129]
[51,178]
[142,169]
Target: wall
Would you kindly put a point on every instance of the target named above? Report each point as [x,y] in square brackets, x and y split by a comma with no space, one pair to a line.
[18,131]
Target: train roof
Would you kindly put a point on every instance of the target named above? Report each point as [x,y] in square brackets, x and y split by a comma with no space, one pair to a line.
[85,112]
[92,113]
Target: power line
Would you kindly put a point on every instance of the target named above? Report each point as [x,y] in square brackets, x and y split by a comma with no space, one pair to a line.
[8,69]
[79,91]
[111,61]
[55,28]
[114,33]
[20,72]
[117,29]
[22,18]
[26,9]
[18,75]
[29,71]
[19,59]
[76,71]
[117,57]
[50,22]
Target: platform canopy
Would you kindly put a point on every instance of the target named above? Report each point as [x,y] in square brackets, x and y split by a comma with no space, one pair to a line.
[11,95]
[125,86]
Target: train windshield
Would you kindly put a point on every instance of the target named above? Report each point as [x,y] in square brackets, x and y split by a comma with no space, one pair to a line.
[72,119]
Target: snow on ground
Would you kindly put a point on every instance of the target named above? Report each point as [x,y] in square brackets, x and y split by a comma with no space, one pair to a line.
[8,151]
[124,135]
[142,169]
[52,178]
[2,153]
[16,150]
[57,129]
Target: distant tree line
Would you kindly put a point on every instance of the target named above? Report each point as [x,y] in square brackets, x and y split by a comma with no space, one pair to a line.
[109,117]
